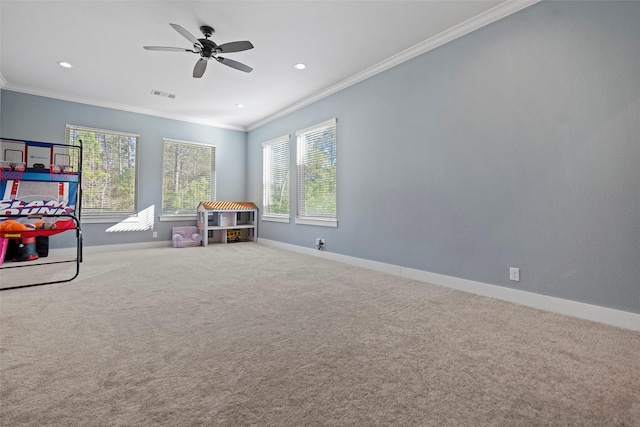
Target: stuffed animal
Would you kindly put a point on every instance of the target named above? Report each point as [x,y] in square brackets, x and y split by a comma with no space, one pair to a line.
[13,225]
[41,225]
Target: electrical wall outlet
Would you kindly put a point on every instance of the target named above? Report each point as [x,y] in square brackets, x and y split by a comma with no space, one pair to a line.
[155,234]
[514,274]
[319,242]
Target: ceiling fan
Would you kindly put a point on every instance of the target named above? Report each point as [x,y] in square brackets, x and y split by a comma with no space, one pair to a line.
[207,50]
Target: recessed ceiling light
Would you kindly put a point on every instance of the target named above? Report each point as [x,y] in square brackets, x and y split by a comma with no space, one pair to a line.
[65,64]
[300,66]
[240,105]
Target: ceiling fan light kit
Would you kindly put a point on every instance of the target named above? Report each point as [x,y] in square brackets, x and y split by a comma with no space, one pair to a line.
[208,49]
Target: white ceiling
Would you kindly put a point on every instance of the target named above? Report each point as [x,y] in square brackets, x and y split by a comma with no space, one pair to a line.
[341,42]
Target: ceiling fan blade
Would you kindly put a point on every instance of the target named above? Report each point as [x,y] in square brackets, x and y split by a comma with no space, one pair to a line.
[187,35]
[234,47]
[234,64]
[198,70]
[168,49]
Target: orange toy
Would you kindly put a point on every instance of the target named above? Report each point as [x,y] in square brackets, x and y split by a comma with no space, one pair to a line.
[27,245]
[12,225]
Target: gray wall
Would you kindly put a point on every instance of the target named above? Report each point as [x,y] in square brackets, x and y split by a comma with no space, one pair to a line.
[516,145]
[44,119]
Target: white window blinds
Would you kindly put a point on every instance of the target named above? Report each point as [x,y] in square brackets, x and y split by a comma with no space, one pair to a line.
[108,170]
[316,174]
[275,179]
[188,176]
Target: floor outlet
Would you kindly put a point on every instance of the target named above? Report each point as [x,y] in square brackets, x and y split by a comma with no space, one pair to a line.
[514,274]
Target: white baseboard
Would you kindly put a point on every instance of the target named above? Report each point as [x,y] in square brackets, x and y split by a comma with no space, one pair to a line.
[608,316]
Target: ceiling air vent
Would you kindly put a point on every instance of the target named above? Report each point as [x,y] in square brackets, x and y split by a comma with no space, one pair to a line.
[161,93]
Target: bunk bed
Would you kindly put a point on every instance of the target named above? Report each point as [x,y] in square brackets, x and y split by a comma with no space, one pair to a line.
[41,196]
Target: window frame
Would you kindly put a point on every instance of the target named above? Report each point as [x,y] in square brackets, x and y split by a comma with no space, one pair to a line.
[303,218]
[267,163]
[166,216]
[106,217]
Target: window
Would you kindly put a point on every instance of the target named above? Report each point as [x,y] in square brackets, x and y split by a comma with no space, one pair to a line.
[316,175]
[108,170]
[275,179]
[188,177]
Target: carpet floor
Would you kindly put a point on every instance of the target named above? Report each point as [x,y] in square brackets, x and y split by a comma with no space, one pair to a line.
[242,334]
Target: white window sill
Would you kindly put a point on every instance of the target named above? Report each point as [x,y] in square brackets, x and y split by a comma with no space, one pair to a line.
[321,222]
[106,219]
[274,218]
[186,217]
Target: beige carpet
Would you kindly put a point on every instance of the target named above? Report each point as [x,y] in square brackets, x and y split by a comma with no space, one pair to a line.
[242,334]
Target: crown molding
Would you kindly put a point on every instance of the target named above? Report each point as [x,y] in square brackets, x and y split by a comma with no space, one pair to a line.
[115,106]
[492,15]
[501,11]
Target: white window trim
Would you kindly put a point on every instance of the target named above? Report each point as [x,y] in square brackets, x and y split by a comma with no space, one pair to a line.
[321,222]
[167,217]
[88,218]
[102,219]
[177,217]
[311,220]
[276,218]
[284,218]
[330,122]
[114,132]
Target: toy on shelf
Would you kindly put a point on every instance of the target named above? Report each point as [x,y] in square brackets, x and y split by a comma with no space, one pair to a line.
[234,235]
